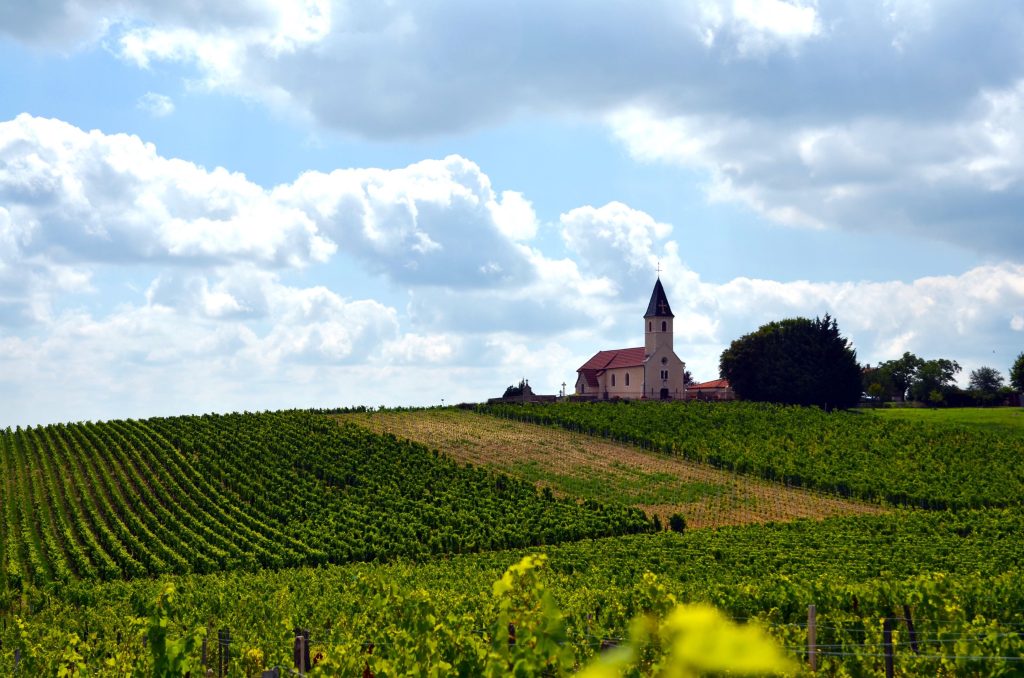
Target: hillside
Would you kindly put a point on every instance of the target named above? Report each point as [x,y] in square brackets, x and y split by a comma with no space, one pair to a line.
[201,494]
[581,465]
[852,454]
[124,543]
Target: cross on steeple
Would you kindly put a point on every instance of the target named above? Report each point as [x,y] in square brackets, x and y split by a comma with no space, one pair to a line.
[658,269]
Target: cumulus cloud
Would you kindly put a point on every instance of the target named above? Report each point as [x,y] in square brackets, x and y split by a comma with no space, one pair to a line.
[436,222]
[71,200]
[959,181]
[157,105]
[525,55]
[897,116]
[618,242]
[74,196]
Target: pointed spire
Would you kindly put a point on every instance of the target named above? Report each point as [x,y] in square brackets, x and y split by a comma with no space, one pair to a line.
[659,303]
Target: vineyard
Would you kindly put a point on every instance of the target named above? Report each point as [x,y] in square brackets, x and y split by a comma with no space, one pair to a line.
[580,465]
[445,542]
[862,456]
[200,494]
[857,571]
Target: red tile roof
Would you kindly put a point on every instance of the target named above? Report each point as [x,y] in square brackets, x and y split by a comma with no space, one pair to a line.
[717,383]
[590,376]
[608,360]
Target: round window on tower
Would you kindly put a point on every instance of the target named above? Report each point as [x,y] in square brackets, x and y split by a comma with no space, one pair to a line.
[664,360]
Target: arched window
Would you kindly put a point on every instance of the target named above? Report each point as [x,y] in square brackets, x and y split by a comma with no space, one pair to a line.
[627,378]
[664,325]
[613,380]
[648,325]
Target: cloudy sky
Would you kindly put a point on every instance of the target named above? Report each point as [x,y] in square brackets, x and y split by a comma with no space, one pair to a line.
[228,205]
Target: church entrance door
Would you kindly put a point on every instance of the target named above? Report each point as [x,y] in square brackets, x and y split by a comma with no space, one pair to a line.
[664,394]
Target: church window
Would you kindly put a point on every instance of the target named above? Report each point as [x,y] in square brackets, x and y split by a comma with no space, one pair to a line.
[648,325]
[627,378]
[613,380]
[664,326]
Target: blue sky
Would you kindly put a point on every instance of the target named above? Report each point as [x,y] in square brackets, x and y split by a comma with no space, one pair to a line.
[253,205]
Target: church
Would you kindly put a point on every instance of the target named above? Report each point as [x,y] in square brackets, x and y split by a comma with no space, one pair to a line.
[652,371]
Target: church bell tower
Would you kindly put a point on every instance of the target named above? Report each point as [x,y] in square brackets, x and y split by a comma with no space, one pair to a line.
[658,321]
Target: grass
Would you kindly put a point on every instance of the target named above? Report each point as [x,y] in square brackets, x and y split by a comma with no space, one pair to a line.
[995,419]
[587,467]
[626,485]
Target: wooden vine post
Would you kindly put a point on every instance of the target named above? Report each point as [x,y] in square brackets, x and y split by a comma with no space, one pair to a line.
[812,637]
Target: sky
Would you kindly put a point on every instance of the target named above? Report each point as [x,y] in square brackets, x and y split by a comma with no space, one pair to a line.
[261,204]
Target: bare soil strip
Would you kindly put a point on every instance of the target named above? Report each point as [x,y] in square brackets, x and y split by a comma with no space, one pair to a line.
[580,465]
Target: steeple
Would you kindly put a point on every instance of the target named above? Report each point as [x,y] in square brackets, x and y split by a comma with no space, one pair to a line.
[658,308]
[658,322]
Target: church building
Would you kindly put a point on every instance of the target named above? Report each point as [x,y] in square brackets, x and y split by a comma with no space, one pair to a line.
[651,371]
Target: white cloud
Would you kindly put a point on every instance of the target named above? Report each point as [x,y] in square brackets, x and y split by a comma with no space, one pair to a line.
[157,105]
[961,182]
[433,222]
[72,200]
[902,115]
[514,216]
[619,243]
[230,323]
[76,196]
[758,26]
[416,349]
[388,55]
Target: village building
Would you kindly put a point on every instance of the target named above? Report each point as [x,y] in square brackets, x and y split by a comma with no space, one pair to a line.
[652,371]
[716,389]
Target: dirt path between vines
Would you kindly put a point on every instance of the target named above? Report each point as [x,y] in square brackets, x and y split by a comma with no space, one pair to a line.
[584,466]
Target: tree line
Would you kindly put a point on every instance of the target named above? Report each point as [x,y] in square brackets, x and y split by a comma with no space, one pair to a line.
[801,361]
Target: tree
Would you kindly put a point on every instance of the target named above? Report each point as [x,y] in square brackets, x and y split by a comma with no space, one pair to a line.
[1017,374]
[687,378]
[900,373]
[934,375]
[796,361]
[515,391]
[986,380]
[877,383]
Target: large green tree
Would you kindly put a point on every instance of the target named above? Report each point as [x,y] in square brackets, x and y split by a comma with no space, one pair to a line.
[1017,374]
[986,380]
[900,373]
[934,379]
[797,361]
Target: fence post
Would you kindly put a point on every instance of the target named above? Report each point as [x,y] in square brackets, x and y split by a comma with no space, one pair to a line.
[223,651]
[367,673]
[300,654]
[887,627]
[910,629]
[511,634]
[812,637]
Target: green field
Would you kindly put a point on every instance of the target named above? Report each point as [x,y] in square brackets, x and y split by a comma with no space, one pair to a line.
[126,545]
[996,419]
